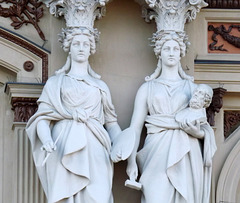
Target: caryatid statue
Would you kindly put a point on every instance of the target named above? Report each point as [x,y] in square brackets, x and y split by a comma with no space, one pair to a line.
[176,160]
[73,130]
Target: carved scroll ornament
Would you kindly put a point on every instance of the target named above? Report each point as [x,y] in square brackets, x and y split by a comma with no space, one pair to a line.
[225,34]
[216,105]
[23,12]
[231,122]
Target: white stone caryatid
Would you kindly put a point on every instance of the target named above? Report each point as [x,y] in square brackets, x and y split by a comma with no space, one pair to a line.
[174,166]
[75,125]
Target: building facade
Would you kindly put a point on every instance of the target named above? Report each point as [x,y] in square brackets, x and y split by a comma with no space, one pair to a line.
[30,53]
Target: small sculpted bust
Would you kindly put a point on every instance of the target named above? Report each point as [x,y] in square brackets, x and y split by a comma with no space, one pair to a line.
[196,112]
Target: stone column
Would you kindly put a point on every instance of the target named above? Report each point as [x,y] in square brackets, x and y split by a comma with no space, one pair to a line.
[27,187]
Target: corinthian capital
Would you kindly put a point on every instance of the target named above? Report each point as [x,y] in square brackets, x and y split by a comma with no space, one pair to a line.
[173,14]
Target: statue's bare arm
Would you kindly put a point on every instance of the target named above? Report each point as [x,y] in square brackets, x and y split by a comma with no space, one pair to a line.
[44,133]
[139,115]
[113,129]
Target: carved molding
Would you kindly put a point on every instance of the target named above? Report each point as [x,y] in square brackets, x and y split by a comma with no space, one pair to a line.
[23,108]
[26,45]
[23,12]
[216,105]
[225,34]
[224,4]
[228,182]
[231,122]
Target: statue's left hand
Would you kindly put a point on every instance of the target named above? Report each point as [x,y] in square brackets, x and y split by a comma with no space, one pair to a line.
[49,146]
[123,145]
[192,129]
[116,155]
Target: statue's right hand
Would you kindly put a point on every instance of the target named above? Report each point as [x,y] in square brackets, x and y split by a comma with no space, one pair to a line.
[48,147]
[132,170]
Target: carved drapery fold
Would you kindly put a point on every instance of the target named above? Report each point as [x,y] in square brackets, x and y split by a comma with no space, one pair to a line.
[231,122]
[216,105]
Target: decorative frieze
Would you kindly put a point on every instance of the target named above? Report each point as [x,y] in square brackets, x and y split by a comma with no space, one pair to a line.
[224,4]
[224,38]
[216,105]
[231,122]
[23,12]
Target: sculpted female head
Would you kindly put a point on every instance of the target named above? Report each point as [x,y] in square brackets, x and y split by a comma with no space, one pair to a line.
[68,35]
[71,40]
[169,39]
[161,38]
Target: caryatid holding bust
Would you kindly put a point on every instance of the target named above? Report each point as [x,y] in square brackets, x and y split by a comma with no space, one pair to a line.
[72,132]
[176,159]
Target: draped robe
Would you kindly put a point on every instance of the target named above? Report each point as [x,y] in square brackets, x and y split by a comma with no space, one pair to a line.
[175,167]
[80,170]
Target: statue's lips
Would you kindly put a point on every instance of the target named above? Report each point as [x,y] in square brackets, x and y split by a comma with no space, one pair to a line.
[81,54]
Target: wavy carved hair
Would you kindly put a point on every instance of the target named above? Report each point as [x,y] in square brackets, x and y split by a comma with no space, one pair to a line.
[67,37]
[160,39]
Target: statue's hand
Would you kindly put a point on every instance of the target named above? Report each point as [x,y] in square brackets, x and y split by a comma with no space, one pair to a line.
[49,147]
[192,129]
[132,169]
[116,155]
[123,145]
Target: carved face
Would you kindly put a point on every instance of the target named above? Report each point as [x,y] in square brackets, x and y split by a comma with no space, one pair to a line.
[80,48]
[170,53]
[199,96]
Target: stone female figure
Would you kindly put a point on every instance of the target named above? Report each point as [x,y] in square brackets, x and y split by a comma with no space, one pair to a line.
[74,108]
[173,165]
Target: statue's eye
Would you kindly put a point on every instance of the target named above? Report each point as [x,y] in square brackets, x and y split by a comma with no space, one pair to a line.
[176,48]
[86,44]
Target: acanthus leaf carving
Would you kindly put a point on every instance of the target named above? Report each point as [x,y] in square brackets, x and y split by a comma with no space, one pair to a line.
[173,14]
[231,122]
[81,12]
[23,108]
